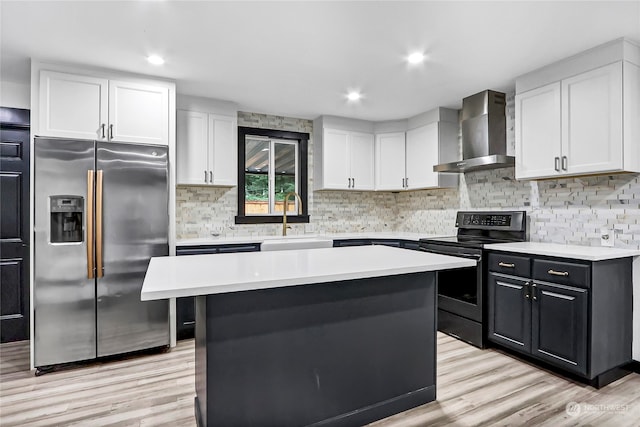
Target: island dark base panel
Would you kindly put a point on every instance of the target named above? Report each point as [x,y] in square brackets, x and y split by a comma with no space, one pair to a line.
[331,354]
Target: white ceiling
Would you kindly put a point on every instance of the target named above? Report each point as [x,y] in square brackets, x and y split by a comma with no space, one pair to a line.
[300,58]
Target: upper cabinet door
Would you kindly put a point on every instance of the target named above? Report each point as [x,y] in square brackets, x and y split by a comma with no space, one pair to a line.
[422,154]
[361,153]
[592,121]
[336,160]
[73,106]
[538,132]
[223,150]
[138,113]
[390,161]
[192,148]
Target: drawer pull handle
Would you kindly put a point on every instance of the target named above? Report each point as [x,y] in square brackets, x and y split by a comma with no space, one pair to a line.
[504,264]
[558,273]
[189,323]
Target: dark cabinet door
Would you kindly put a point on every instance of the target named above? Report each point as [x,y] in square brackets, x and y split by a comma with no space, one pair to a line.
[559,325]
[510,311]
[14,224]
[185,317]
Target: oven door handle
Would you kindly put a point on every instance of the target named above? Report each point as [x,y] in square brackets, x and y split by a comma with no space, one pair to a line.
[477,257]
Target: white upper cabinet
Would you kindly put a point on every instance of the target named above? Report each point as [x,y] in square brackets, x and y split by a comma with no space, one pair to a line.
[361,155]
[192,148]
[538,135]
[78,106]
[584,122]
[592,121]
[390,161]
[336,165]
[404,161]
[73,106]
[422,154]
[343,160]
[138,113]
[206,149]
[223,149]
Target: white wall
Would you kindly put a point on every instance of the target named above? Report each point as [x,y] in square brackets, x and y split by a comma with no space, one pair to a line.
[14,95]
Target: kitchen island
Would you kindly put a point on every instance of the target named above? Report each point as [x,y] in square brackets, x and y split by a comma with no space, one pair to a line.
[335,336]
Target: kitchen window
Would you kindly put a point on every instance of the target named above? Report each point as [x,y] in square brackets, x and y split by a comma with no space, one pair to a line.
[271,164]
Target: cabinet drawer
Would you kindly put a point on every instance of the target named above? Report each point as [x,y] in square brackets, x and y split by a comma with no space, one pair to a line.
[562,272]
[510,264]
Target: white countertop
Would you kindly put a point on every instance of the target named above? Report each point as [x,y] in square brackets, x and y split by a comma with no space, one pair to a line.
[335,236]
[169,277]
[588,253]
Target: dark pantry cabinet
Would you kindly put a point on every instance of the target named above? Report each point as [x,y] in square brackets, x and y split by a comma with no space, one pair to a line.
[14,224]
[572,314]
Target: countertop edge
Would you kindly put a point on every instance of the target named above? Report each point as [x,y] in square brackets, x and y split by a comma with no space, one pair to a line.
[160,282]
[565,251]
[205,241]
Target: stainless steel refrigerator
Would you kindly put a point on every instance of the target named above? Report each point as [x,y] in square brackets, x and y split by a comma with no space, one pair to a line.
[101,212]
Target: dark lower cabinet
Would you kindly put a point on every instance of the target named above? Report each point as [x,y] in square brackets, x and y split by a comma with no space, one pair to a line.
[185,307]
[396,243]
[559,317]
[582,325]
[185,317]
[510,320]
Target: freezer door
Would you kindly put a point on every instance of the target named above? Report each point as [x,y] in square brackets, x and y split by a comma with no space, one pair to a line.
[132,223]
[64,287]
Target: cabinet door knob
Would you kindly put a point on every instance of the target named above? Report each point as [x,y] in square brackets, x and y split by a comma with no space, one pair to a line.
[564,163]
[211,177]
[102,126]
[111,131]
[406,183]
[353,183]
[556,166]
[205,177]
[402,182]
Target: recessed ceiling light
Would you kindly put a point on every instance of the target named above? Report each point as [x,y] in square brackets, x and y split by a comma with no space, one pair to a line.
[155,60]
[353,96]
[415,58]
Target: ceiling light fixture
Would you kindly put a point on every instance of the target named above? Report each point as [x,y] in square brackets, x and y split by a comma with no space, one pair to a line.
[155,59]
[416,58]
[353,96]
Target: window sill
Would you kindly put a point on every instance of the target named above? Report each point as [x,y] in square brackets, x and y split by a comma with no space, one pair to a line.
[271,219]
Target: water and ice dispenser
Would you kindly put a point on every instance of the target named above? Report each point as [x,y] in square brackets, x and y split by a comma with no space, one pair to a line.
[66,219]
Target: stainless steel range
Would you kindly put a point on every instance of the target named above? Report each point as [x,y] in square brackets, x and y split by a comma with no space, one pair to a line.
[461,292]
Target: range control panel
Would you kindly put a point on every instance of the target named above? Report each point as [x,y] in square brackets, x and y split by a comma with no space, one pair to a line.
[508,221]
[504,220]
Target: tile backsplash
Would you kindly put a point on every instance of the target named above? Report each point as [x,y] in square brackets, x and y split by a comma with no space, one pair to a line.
[570,210]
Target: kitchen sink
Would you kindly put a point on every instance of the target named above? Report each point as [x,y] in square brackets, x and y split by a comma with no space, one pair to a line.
[295,242]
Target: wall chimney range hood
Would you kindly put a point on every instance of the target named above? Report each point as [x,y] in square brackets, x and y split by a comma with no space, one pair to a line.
[484,135]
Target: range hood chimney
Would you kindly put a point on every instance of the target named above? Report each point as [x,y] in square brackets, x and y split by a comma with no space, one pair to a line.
[484,135]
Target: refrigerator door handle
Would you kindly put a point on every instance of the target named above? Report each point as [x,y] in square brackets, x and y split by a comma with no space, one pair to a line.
[99,261]
[89,210]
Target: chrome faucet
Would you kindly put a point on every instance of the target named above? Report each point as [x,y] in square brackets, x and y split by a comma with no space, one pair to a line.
[286,205]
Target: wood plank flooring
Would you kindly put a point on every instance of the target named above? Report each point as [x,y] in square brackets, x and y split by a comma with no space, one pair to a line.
[475,388]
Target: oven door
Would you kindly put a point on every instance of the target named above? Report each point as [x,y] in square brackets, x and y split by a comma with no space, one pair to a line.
[459,290]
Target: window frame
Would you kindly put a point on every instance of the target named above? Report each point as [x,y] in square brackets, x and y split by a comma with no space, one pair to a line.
[302,140]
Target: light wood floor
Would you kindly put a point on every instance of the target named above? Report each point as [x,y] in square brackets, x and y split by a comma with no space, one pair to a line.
[475,387]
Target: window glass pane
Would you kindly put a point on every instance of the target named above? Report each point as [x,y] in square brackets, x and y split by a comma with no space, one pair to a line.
[285,176]
[256,176]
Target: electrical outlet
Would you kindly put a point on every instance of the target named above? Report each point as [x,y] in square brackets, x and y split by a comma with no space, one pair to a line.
[607,237]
